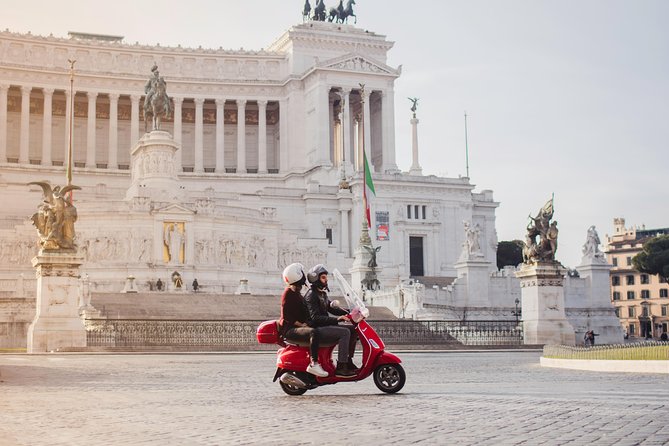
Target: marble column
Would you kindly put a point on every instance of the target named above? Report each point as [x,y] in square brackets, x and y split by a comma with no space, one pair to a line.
[46,126]
[134,119]
[283,135]
[324,111]
[112,156]
[24,145]
[241,136]
[220,135]
[262,136]
[331,152]
[199,129]
[415,166]
[3,123]
[388,115]
[344,236]
[346,122]
[90,132]
[177,132]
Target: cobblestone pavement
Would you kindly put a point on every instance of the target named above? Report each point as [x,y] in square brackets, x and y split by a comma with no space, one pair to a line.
[482,398]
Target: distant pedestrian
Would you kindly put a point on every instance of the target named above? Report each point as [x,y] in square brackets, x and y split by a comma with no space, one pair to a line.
[159,285]
[589,338]
[195,285]
[663,337]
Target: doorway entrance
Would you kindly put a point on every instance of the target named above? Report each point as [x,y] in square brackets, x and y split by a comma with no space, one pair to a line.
[416,267]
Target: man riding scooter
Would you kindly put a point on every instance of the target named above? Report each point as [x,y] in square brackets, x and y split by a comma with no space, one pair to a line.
[319,305]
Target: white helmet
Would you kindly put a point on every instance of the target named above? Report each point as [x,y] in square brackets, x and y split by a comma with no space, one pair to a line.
[294,273]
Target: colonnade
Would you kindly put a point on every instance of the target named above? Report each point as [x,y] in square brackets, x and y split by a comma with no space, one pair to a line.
[221,113]
[355,121]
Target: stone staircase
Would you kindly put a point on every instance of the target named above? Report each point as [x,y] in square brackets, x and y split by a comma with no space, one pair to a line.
[198,306]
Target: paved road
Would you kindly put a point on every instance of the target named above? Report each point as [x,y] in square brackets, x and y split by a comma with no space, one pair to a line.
[463,398]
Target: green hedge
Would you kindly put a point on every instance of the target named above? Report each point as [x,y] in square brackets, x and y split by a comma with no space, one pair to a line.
[636,351]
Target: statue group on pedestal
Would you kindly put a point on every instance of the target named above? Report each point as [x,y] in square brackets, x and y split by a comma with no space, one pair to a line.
[340,14]
[591,247]
[156,103]
[471,248]
[55,218]
[540,226]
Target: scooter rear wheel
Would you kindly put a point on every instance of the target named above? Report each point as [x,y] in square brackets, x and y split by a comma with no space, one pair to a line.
[389,378]
[292,390]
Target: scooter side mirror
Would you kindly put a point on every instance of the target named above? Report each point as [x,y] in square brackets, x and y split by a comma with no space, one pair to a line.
[335,303]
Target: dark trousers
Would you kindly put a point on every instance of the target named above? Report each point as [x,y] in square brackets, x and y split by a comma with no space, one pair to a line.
[305,334]
[344,335]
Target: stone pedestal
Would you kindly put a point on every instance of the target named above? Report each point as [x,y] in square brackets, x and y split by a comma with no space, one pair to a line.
[57,324]
[360,269]
[129,285]
[243,287]
[543,306]
[596,312]
[475,275]
[153,168]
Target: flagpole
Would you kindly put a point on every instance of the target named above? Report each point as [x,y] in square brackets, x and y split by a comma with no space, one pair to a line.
[71,129]
[364,235]
[466,147]
[364,164]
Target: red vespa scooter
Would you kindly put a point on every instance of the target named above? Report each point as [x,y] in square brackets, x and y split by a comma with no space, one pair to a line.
[293,359]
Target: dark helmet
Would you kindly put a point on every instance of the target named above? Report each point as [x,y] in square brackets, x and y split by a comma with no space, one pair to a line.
[315,272]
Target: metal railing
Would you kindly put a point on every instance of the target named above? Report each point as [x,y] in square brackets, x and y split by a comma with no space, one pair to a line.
[637,351]
[241,334]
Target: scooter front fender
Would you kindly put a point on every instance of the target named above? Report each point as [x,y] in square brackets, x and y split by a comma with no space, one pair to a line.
[387,358]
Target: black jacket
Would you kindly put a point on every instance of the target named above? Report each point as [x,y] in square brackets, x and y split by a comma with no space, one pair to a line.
[319,306]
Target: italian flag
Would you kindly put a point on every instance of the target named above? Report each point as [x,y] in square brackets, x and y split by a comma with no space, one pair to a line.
[368,191]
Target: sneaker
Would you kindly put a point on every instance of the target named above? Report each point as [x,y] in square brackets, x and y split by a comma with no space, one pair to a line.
[352,366]
[316,369]
[343,371]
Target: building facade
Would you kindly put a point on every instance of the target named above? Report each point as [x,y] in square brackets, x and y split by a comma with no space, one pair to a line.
[264,139]
[641,300]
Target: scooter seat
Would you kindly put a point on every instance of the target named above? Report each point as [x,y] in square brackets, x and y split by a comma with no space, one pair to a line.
[306,343]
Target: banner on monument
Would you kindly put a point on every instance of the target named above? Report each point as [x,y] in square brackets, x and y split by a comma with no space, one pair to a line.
[382,225]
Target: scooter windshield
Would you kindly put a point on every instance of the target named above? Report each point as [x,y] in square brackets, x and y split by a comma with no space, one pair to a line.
[356,305]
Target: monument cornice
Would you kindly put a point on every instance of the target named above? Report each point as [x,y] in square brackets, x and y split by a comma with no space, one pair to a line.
[320,33]
[115,45]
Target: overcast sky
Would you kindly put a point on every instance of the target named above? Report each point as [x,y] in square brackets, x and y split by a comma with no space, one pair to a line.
[568,97]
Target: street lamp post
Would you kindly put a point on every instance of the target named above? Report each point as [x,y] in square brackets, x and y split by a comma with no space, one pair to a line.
[518,311]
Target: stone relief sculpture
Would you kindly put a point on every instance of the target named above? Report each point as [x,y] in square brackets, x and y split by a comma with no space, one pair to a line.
[55,218]
[16,252]
[591,247]
[174,240]
[156,104]
[547,231]
[304,255]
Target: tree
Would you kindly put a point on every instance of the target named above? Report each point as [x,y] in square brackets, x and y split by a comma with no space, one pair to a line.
[654,258]
[509,253]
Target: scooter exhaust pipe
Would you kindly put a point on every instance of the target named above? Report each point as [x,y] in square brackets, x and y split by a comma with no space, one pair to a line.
[291,380]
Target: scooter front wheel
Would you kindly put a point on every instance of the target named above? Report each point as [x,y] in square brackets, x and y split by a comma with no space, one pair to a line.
[292,390]
[389,378]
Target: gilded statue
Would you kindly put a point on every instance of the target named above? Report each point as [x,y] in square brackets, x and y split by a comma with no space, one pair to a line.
[55,217]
